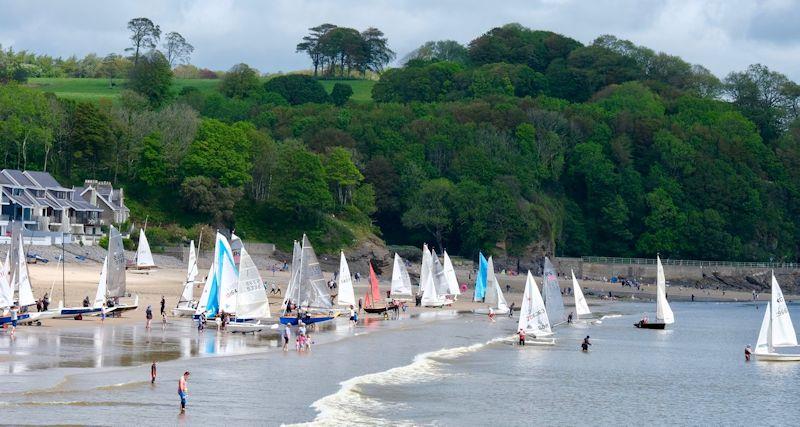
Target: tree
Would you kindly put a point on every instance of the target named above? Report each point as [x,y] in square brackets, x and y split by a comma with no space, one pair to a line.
[151,77]
[144,35]
[114,66]
[152,169]
[297,89]
[92,140]
[302,188]
[440,50]
[221,152]
[239,82]
[377,53]
[27,122]
[341,93]
[760,94]
[177,49]
[432,209]
[205,195]
[342,173]
[310,45]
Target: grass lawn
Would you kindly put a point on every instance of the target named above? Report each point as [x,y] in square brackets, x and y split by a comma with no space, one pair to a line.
[95,89]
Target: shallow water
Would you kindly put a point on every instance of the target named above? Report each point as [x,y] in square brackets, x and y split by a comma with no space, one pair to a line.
[440,369]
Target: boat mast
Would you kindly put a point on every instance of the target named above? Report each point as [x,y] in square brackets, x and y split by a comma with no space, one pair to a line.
[771,306]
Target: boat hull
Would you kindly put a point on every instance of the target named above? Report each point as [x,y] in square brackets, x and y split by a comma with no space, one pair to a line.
[379,310]
[21,318]
[485,311]
[777,357]
[650,325]
[292,320]
[183,311]
[67,312]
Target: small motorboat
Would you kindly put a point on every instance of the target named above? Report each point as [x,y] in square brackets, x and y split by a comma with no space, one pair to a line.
[650,325]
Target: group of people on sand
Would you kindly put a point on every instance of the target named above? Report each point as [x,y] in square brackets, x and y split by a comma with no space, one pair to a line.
[302,342]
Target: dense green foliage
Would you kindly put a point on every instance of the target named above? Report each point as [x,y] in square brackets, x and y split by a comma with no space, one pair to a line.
[522,141]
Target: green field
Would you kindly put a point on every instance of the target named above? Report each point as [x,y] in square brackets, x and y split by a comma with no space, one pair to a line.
[96,89]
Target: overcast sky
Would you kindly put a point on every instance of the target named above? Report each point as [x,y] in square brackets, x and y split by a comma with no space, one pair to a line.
[723,35]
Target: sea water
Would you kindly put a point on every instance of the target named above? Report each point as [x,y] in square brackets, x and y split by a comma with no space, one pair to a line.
[439,368]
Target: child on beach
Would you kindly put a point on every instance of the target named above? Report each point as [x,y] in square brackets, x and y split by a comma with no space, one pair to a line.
[491,314]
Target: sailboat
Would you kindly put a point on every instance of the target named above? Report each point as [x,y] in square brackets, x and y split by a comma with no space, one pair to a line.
[494,298]
[346,296]
[533,318]
[581,307]
[144,257]
[19,281]
[450,277]
[777,330]
[252,305]
[664,314]
[427,284]
[553,300]
[440,280]
[401,282]
[219,291]
[375,292]
[480,279]
[115,281]
[308,290]
[186,305]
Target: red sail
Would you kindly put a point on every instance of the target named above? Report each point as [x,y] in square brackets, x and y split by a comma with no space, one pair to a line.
[373,282]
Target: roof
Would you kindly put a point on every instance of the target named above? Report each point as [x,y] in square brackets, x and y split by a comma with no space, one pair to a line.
[19,178]
[80,204]
[4,180]
[44,179]
[22,199]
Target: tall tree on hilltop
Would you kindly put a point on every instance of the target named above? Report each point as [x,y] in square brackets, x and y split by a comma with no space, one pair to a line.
[144,35]
[311,46]
[377,49]
[177,49]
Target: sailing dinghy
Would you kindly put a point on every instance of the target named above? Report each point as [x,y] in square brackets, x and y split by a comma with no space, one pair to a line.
[375,292]
[144,257]
[308,290]
[427,284]
[664,314]
[581,307]
[186,305]
[252,305]
[219,290]
[777,330]
[401,282]
[494,295]
[554,302]
[345,296]
[533,315]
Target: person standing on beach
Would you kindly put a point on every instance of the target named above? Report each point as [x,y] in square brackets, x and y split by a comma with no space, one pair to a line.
[287,335]
[511,310]
[491,314]
[13,320]
[521,334]
[183,391]
[148,314]
[163,304]
[153,372]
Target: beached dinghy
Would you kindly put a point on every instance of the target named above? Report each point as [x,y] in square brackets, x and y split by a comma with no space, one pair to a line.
[401,282]
[430,296]
[307,289]
[664,314]
[777,330]
[346,295]
[553,300]
[374,295]
[494,298]
[533,318]
[186,305]
[252,306]
[440,280]
[114,269]
[219,290]
[144,257]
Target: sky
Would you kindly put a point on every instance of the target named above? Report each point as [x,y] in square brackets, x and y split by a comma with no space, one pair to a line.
[722,35]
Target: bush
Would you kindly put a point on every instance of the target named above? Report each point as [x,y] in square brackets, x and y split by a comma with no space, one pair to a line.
[297,89]
[341,93]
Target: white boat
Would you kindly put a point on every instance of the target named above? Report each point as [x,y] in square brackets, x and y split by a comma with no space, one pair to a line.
[553,300]
[346,295]
[494,298]
[252,306]
[308,288]
[401,282]
[427,285]
[533,318]
[440,280]
[664,315]
[581,307]
[186,305]
[450,276]
[144,257]
[116,283]
[777,330]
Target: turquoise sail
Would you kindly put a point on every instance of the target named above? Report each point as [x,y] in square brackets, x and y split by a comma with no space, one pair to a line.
[480,279]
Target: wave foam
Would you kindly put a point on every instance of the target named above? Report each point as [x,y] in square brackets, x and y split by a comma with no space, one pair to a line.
[350,406]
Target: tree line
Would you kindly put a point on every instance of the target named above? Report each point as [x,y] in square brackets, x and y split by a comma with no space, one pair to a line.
[342,51]
[520,142]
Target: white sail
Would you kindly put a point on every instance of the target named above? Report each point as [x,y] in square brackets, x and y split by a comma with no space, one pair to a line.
[292,289]
[663,311]
[430,296]
[6,291]
[426,267]
[554,302]
[762,345]
[581,308]
[401,282]
[205,294]
[144,258]
[346,296]
[100,296]
[781,332]
[251,297]
[438,275]
[533,315]
[310,287]
[494,295]
[191,274]
[116,282]
[23,282]
[226,274]
[450,276]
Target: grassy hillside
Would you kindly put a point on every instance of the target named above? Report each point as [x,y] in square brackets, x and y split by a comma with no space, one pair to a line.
[83,89]
[362,89]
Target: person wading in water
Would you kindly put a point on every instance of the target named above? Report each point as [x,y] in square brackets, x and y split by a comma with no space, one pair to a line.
[585,344]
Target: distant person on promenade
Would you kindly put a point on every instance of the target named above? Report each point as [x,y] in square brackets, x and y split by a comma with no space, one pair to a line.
[183,391]
[585,345]
[148,314]
[153,372]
